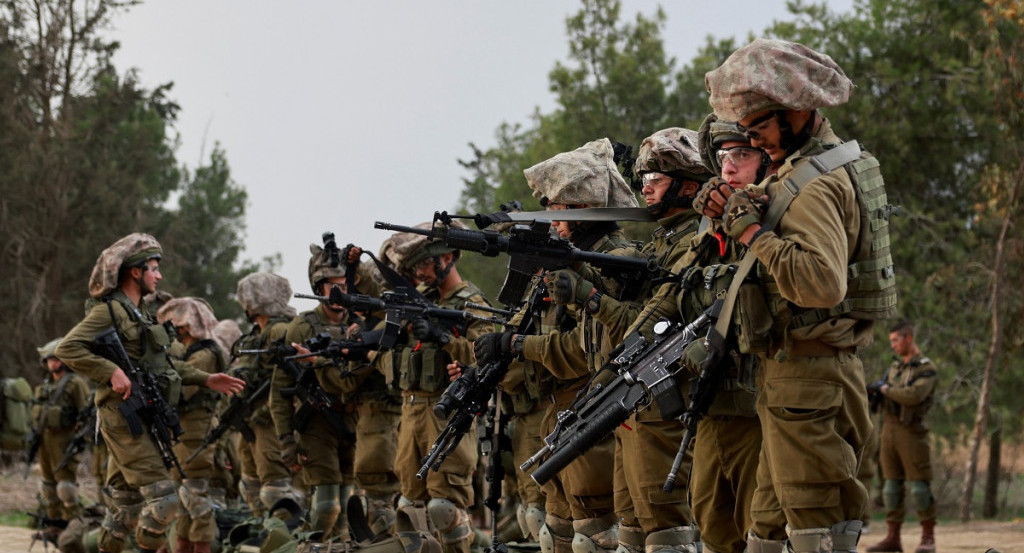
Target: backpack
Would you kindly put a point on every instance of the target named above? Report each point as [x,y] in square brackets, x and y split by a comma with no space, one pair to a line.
[15,413]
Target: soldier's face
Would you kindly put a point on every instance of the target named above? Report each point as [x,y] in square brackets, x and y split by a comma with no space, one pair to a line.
[762,128]
[329,284]
[54,365]
[563,228]
[739,162]
[150,276]
[655,185]
[900,343]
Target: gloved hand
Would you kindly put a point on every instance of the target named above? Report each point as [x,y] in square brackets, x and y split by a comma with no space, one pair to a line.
[712,206]
[290,451]
[492,346]
[742,210]
[566,287]
[426,331]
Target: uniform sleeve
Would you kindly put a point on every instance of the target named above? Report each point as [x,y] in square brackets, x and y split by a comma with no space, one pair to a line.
[559,352]
[75,350]
[461,347]
[808,251]
[917,392]
[190,374]
[662,305]
[282,408]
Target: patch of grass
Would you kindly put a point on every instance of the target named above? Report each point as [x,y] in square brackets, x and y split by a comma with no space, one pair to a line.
[16,518]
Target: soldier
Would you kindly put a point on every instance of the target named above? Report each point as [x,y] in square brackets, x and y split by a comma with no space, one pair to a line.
[331,435]
[419,365]
[824,283]
[59,401]
[226,477]
[143,494]
[908,392]
[579,501]
[265,476]
[194,324]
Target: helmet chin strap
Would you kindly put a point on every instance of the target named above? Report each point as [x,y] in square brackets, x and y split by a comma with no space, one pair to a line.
[441,272]
[671,199]
[792,142]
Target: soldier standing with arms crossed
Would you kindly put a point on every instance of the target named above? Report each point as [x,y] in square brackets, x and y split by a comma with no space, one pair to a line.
[908,392]
[144,496]
[812,400]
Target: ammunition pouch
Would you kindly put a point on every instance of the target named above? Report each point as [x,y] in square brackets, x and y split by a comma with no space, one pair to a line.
[424,370]
[751,320]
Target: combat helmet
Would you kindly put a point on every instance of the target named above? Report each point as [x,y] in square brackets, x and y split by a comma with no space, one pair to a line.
[414,248]
[130,251]
[192,313]
[713,133]
[48,350]
[265,294]
[325,262]
[584,176]
[674,152]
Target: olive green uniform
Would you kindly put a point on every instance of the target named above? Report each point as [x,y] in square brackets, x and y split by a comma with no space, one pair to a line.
[143,494]
[328,451]
[55,411]
[905,453]
[420,368]
[583,492]
[196,408]
[813,402]
[265,477]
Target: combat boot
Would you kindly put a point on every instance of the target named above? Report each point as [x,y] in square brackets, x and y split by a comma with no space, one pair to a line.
[927,537]
[596,535]
[891,542]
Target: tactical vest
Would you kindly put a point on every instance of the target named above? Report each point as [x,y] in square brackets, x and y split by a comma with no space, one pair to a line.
[909,415]
[871,277]
[52,409]
[153,343]
[201,397]
[254,368]
[538,382]
[423,367]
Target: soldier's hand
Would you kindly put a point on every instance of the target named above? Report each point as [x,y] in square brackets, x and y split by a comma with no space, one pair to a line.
[567,287]
[290,452]
[120,383]
[491,346]
[225,383]
[711,198]
[352,254]
[454,371]
[426,331]
[742,210]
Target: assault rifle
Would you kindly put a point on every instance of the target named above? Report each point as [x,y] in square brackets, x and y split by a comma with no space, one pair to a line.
[531,247]
[645,375]
[875,396]
[235,416]
[322,345]
[35,441]
[468,395]
[83,436]
[146,403]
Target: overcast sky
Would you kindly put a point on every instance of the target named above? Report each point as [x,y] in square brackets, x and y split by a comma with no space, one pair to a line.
[334,114]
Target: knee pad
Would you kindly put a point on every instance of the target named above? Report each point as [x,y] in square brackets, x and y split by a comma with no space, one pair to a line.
[249,489]
[681,539]
[845,536]
[48,493]
[920,494]
[556,535]
[160,509]
[121,518]
[595,535]
[276,490]
[809,540]
[530,518]
[757,544]
[892,494]
[380,514]
[325,507]
[450,521]
[194,496]
[411,516]
[67,492]
[631,539]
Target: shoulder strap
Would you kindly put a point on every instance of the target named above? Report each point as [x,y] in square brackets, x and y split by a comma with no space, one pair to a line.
[811,168]
[61,384]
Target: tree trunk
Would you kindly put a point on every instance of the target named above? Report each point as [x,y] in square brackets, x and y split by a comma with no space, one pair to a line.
[995,345]
[990,507]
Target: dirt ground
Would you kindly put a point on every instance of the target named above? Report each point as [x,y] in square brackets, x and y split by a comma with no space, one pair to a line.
[17,494]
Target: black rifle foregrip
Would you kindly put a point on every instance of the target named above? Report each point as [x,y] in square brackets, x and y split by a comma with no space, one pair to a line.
[579,440]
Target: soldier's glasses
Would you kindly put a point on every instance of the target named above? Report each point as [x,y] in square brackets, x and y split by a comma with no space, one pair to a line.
[756,128]
[738,155]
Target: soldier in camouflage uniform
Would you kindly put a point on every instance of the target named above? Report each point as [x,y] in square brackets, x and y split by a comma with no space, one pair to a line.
[824,284]
[265,477]
[58,402]
[908,393]
[419,366]
[330,435]
[194,322]
[579,501]
[144,496]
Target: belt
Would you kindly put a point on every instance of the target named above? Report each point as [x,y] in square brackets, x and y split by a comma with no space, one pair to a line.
[809,348]
[411,398]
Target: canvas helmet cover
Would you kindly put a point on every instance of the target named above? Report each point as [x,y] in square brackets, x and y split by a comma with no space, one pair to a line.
[130,251]
[47,351]
[265,294]
[584,176]
[416,247]
[321,268]
[712,134]
[673,151]
[226,332]
[775,74]
[195,314]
